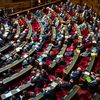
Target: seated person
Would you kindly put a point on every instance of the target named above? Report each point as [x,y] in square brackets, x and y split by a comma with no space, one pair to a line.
[94,50]
[3,87]
[75,75]
[14,97]
[81,47]
[10,72]
[95,82]
[65,85]
[69,53]
[40,79]
[86,53]
[49,95]
[31,59]
[24,63]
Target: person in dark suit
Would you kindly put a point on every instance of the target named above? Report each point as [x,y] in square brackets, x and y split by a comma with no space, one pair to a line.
[50,95]
[3,87]
[81,47]
[1,12]
[24,63]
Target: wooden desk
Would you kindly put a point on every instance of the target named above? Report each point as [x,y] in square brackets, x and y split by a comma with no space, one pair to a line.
[30,32]
[57,58]
[15,62]
[91,62]
[79,34]
[16,75]
[8,45]
[51,86]
[15,91]
[28,37]
[44,54]
[18,29]
[72,92]
[69,67]
[14,51]
[53,33]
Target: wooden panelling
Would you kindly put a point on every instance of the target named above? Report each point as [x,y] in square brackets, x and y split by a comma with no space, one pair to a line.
[95,4]
[34,8]
[16,5]
[19,5]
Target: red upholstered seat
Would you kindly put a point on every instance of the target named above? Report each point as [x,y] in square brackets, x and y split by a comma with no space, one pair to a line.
[23,53]
[39,54]
[71,48]
[46,44]
[21,22]
[59,95]
[36,26]
[48,62]
[60,70]
[35,39]
[68,58]
[84,33]
[37,90]
[55,51]
[84,63]
[76,41]
[97,65]
[44,49]
[88,44]
[57,10]
[84,95]
[51,77]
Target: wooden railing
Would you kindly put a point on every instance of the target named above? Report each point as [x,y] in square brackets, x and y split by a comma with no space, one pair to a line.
[14,7]
[27,4]
[34,8]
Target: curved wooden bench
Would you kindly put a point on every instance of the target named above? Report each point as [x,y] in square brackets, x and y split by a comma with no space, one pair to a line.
[57,58]
[15,62]
[44,54]
[15,91]
[28,37]
[71,65]
[14,51]
[91,62]
[8,45]
[50,86]
[72,92]
[79,33]
[16,75]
